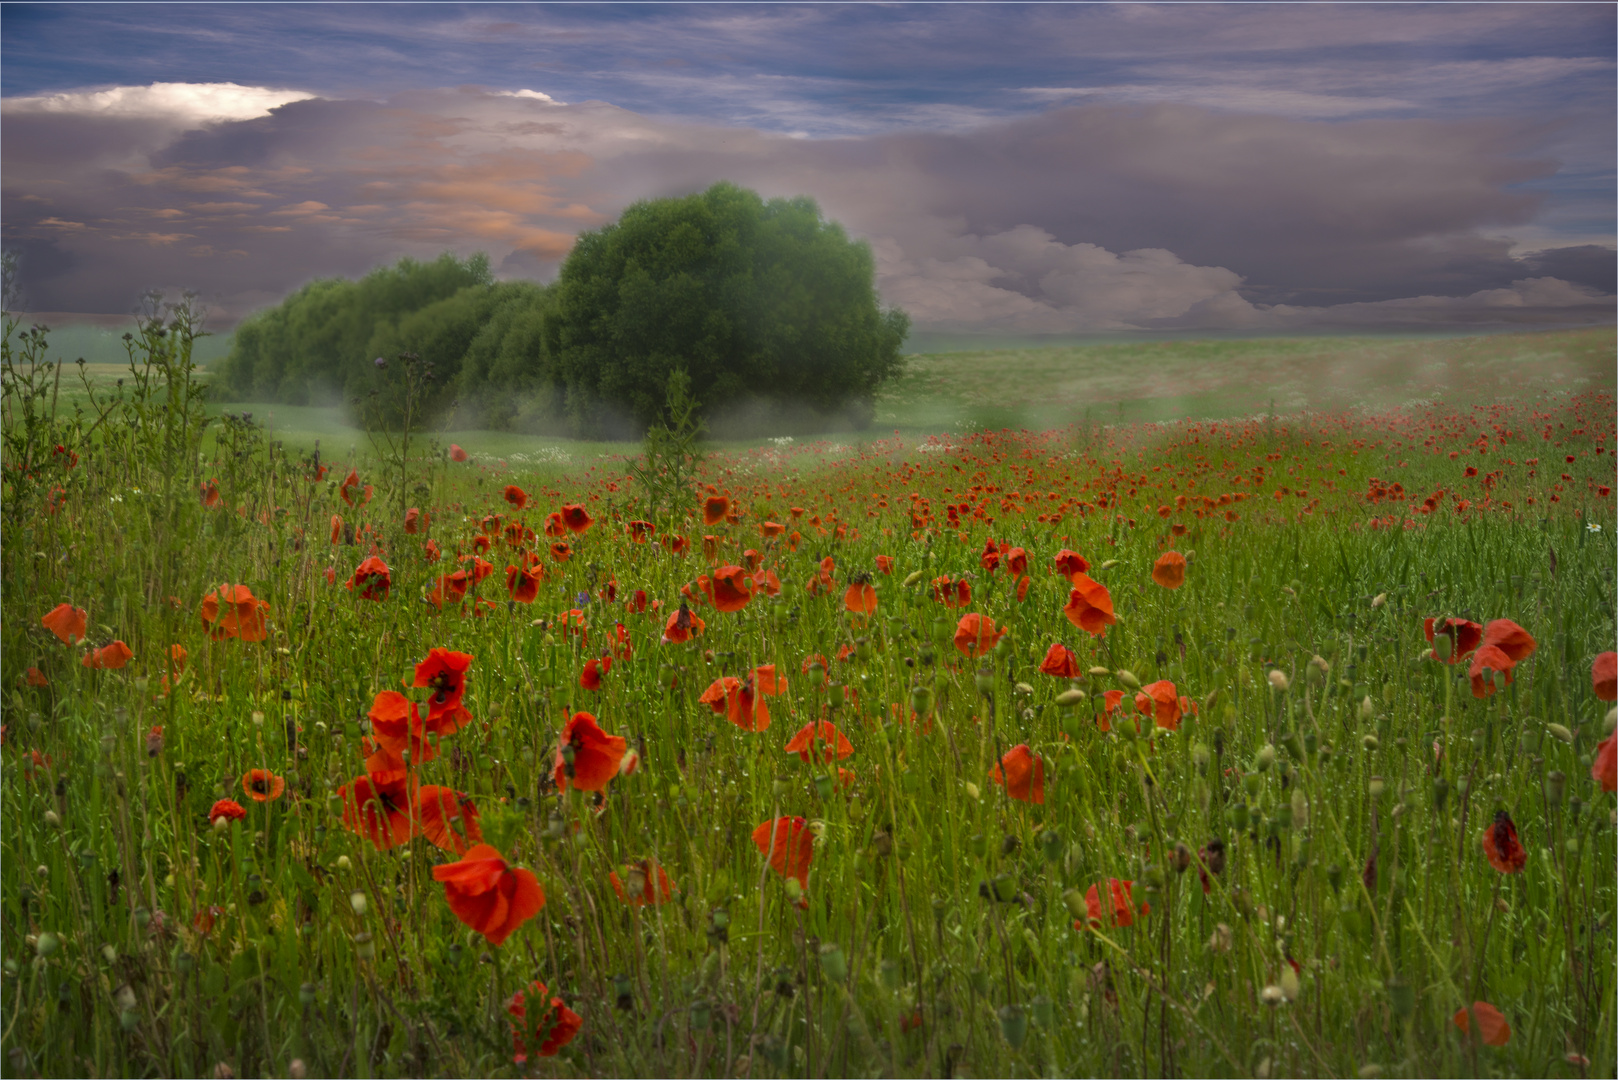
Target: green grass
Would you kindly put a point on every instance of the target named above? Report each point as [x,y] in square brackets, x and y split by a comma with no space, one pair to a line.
[937,934]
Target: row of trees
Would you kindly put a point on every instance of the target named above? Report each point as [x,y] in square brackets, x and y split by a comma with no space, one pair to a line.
[769,310]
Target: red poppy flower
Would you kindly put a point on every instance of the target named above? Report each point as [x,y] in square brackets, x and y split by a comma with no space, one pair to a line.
[1089,606]
[523,585]
[975,635]
[1110,701]
[731,588]
[1016,561]
[1510,639]
[742,703]
[448,819]
[413,522]
[262,785]
[1605,766]
[640,531]
[560,551]
[1491,1024]
[576,518]
[456,453]
[231,611]
[1463,636]
[1486,659]
[1022,773]
[430,551]
[714,509]
[590,677]
[444,673]
[1061,662]
[860,598]
[551,1028]
[35,677]
[449,589]
[1161,701]
[554,525]
[588,757]
[644,882]
[820,741]
[352,481]
[952,593]
[1122,905]
[1169,570]
[789,846]
[1604,676]
[66,622]
[229,809]
[210,493]
[489,896]
[1500,845]
[516,496]
[398,727]
[379,807]
[1069,563]
[990,558]
[114,655]
[373,578]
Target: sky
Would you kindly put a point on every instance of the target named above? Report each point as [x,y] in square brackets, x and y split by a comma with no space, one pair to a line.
[1016,169]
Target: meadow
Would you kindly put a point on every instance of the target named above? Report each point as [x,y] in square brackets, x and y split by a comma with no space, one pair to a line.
[1166,731]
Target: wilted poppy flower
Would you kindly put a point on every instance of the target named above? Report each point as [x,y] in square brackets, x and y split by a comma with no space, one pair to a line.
[975,635]
[1491,1024]
[1605,766]
[952,593]
[1069,563]
[1022,773]
[229,809]
[489,896]
[820,741]
[456,453]
[66,622]
[262,785]
[644,882]
[336,529]
[588,757]
[523,585]
[154,741]
[1510,639]
[788,844]
[1110,701]
[516,496]
[444,673]
[448,819]
[731,588]
[1120,911]
[1500,845]
[373,579]
[576,518]
[1061,662]
[1489,658]
[231,611]
[114,655]
[1463,636]
[1089,605]
[1169,570]
[379,806]
[1161,701]
[1604,676]
[714,509]
[860,598]
[551,1027]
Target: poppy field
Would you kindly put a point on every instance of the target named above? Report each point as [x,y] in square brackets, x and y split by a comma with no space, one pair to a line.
[1270,746]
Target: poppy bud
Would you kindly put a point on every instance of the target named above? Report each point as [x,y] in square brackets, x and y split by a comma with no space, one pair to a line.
[1334,877]
[1069,698]
[357,901]
[1440,793]
[984,680]
[1367,710]
[1378,600]
[1555,787]
[343,863]
[1265,758]
[1376,787]
[1238,816]
[364,947]
[1272,995]
[1318,669]
[833,964]
[53,819]
[823,787]
[1109,564]
[1128,679]
[1074,899]
[1290,986]
[1293,744]
[1253,782]
[794,889]
[1560,732]
[1200,757]
[1013,1025]
[922,701]
[307,993]
[913,577]
[1370,742]
[1051,845]
[47,944]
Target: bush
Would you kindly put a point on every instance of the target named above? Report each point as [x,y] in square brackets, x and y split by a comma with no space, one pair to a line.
[769,308]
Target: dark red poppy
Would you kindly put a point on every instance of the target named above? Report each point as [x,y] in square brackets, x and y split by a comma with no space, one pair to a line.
[444,674]
[1510,639]
[380,807]
[113,655]
[860,598]
[576,518]
[590,677]
[228,809]
[560,551]
[952,593]
[714,509]
[732,589]
[1500,844]
[231,611]
[1491,1023]
[210,494]
[373,579]
[414,522]
[450,588]
[588,758]
[489,896]
[1119,911]
[1486,660]
[456,453]
[398,727]
[884,564]
[1161,701]
[351,483]
[1069,563]
[644,882]
[640,531]
[1605,767]
[1604,676]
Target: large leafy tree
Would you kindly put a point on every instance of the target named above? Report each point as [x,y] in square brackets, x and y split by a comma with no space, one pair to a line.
[758,302]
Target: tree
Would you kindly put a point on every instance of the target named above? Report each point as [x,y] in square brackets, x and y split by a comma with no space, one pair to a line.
[758,302]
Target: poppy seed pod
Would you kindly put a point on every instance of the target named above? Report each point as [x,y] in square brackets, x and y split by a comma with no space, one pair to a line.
[1555,787]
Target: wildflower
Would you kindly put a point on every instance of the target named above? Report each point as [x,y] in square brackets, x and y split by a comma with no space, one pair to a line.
[1500,845]
[414,522]
[1604,676]
[523,585]
[1510,639]
[444,673]
[1022,773]
[398,727]
[576,518]
[66,622]
[560,551]
[1605,766]
[590,677]
[1161,701]
[588,757]
[1463,635]
[1122,908]
[378,807]
[1169,570]
[1069,563]
[742,702]
[352,482]
[456,453]
[450,588]
[952,593]
[860,598]
[640,531]
[714,509]
[1488,659]
[644,882]
[262,785]
[788,845]
[35,677]
[1491,1024]
[154,741]
[820,740]
[731,588]
[373,578]
[975,635]
[489,896]
[114,655]
[231,611]
[551,1029]
[210,493]
[1061,662]
[516,496]
[226,810]
[1089,606]
[884,563]
[448,818]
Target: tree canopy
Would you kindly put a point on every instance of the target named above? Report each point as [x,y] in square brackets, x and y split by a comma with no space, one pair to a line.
[761,303]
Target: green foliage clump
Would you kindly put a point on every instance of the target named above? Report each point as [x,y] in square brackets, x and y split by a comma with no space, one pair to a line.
[767,306]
